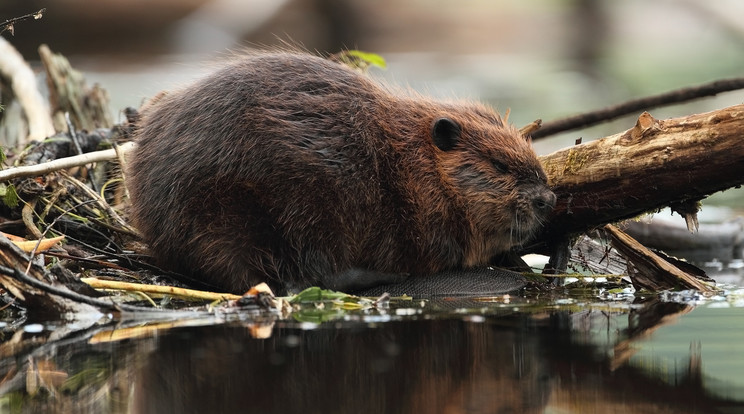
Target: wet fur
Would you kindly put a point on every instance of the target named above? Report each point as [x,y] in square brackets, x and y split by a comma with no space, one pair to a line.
[288,168]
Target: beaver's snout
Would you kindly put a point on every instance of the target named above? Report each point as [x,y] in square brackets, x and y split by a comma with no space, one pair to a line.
[543,201]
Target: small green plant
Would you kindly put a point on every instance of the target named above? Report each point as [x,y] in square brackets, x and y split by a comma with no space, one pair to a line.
[8,195]
[356,59]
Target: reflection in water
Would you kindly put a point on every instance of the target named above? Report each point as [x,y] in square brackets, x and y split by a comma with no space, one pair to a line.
[557,361]
[410,366]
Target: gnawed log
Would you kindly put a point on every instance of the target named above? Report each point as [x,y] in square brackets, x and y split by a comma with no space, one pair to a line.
[652,165]
[597,257]
[651,271]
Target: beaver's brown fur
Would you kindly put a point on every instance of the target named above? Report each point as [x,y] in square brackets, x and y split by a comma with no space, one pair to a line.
[294,170]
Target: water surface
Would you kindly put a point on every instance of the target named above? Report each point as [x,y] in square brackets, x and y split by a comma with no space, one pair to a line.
[596,352]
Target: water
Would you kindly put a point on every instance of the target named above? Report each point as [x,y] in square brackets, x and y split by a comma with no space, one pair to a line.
[575,352]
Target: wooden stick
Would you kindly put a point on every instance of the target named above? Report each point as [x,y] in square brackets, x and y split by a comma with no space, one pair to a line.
[63,163]
[162,290]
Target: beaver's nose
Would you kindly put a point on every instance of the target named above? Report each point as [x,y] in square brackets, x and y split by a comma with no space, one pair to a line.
[544,201]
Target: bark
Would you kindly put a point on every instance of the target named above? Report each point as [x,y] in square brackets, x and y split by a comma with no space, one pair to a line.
[651,271]
[652,165]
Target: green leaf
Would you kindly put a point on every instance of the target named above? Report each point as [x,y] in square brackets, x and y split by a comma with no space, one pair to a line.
[9,195]
[356,59]
[369,58]
[316,294]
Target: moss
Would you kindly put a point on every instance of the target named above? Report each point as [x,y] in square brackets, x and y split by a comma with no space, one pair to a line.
[575,161]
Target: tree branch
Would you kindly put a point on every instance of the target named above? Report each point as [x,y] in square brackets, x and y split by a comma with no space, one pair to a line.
[645,168]
[10,23]
[637,105]
[63,163]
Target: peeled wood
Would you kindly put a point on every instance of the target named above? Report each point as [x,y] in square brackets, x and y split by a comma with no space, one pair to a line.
[650,166]
[652,272]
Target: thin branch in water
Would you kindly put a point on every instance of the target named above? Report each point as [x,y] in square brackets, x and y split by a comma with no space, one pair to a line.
[630,107]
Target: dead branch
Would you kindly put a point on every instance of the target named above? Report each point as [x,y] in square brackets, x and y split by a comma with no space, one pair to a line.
[9,24]
[723,241]
[636,105]
[23,84]
[63,163]
[158,290]
[645,168]
[36,291]
[651,271]
[31,288]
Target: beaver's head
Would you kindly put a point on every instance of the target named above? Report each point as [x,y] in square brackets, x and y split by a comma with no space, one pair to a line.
[498,176]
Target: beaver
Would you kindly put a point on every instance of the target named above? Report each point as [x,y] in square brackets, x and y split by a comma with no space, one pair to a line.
[291,169]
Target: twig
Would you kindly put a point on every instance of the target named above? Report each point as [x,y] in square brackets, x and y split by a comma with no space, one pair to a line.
[9,24]
[101,263]
[162,290]
[121,153]
[530,128]
[27,214]
[127,231]
[46,230]
[62,163]
[74,138]
[40,245]
[607,114]
[99,200]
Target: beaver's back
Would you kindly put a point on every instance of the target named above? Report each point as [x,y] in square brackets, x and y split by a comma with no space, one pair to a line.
[274,168]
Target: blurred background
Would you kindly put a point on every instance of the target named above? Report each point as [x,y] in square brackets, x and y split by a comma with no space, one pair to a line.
[538,58]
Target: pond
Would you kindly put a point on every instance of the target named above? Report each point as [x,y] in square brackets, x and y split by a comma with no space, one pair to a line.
[581,349]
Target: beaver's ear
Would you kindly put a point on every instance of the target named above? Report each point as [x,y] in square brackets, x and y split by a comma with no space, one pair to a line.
[445,133]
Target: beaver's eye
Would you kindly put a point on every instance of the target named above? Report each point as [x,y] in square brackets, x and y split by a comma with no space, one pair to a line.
[500,166]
